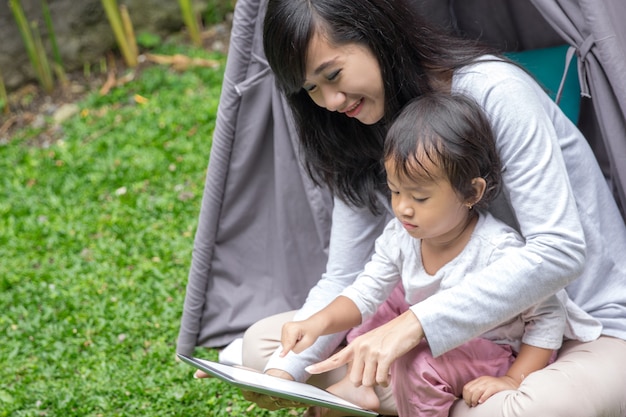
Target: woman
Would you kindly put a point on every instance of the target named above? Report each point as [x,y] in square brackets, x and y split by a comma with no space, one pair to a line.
[442,171]
[347,67]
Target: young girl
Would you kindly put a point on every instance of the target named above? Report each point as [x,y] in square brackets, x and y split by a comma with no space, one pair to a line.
[442,168]
[347,67]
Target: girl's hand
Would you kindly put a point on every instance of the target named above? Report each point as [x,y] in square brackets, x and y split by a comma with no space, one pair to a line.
[373,353]
[297,336]
[480,389]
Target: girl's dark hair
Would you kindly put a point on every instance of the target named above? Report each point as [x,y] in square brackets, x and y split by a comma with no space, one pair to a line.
[452,133]
[341,152]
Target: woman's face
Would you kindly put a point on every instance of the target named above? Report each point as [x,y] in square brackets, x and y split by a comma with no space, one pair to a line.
[346,79]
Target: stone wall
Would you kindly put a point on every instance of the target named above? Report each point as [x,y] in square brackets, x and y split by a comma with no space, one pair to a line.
[82,31]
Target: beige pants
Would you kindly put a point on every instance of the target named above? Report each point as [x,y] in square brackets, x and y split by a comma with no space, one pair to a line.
[587,379]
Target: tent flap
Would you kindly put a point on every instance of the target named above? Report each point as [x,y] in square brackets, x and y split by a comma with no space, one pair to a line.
[597,31]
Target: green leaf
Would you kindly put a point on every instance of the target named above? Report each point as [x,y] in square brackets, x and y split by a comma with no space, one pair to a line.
[5,397]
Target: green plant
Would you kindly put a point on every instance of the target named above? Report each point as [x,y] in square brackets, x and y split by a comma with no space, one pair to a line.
[44,68]
[96,235]
[4,98]
[128,30]
[217,10]
[122,30]
[34,46]
[191,21]
[58,61]
[53,40]
[148,40]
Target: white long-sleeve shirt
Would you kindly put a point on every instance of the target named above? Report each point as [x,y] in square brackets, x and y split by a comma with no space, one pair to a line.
[553,193]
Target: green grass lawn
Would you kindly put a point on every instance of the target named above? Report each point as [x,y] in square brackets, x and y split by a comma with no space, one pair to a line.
[96,234]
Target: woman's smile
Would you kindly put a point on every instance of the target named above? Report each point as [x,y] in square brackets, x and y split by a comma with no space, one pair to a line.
[355,109]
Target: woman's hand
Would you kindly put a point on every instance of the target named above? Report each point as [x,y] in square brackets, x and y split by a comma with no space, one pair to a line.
[373,353]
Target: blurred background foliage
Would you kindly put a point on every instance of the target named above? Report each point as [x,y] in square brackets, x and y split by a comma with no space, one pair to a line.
[99,200]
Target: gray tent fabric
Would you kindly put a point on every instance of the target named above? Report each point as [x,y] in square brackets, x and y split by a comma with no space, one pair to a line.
[264,228]
[597,32]
[248,261]
[510,25]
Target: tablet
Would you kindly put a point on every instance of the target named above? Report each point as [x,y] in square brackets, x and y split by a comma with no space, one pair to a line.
[254,381]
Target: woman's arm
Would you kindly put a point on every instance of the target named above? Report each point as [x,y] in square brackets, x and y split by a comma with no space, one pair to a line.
[536,198]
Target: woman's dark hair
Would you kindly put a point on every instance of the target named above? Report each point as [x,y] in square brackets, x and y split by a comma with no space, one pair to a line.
[341,152]
[450,132]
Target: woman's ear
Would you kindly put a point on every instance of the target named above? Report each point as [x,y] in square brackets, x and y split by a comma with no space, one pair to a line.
[479,185]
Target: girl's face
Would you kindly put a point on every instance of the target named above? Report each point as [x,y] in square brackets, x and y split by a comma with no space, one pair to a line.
[346,79]
[430,210]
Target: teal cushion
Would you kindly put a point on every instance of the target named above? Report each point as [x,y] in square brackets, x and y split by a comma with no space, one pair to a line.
[547,65]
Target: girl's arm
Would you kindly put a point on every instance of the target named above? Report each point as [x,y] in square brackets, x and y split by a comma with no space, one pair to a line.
[341,314]
[543,333]
[352,238]
[529,359]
